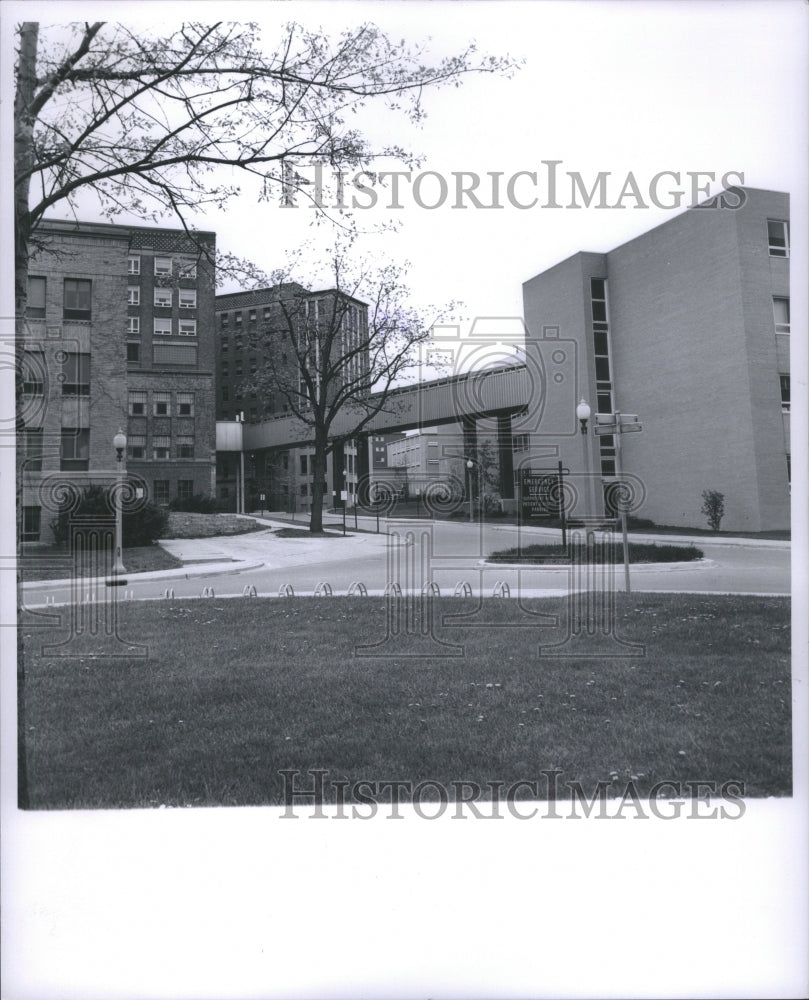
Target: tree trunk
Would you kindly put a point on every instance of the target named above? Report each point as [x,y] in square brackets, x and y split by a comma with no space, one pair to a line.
[318,479]
[23,161]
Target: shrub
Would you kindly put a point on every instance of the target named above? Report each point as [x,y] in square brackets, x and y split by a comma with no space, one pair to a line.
[199,503]
[713,507]
[140,527]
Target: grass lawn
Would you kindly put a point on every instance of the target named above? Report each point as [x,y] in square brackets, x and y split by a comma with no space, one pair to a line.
[53,563]
[639,552]
[233,691]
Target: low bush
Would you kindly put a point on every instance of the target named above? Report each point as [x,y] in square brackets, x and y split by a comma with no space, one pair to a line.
[639,552]
[139,527]
[199,503]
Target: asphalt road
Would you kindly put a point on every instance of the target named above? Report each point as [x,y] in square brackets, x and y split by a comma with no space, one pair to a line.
[448,553]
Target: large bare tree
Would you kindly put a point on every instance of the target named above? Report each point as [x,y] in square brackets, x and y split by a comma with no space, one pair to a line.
[147,121]
[332,365]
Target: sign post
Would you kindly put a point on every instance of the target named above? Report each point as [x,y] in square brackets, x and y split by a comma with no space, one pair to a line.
[617,424]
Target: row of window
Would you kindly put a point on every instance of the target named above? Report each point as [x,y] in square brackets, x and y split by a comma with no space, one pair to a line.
[77,297]
[161,447]
[163,298]
[163,266]
[164,327]
[161,403]
[77,294]
[252,316]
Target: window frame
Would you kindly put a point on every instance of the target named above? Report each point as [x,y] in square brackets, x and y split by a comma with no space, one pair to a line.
[162,293]
[142,399]
[133,264]
[781,326]
[159,330]
[190,327]
[774,248]
[162,270]
[79,438]
[37,312]
[83,285]
[784,381]
[192,292]
[160,399]
[160,443]
[80,384]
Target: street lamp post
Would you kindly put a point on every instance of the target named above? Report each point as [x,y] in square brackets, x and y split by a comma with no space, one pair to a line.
[119,443]
[583,416]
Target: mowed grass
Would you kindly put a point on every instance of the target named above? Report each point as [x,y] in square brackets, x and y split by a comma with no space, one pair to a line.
[232,691]
[53,562]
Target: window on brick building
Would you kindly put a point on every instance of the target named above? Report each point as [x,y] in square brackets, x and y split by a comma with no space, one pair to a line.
[784,393]
[304,465]
[33,449]
[137,402]
[161,491]
[162,265]
[185,446]
[185,404]
[161,447]
[133,325]
[252,315]
[162,327]
[185,488]
[238,317]
[133,352]
[133,265]
[161,404]
[780,308]
[31,519]
[77,298]
[33,369]
[76,372]
[35,307]
[133,296]
[136,446]
[188,328]
[162,298]
[224,319]
[75,449]
[188,269]
[778,238]
[188,298]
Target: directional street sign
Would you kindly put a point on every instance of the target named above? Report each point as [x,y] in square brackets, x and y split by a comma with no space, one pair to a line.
[617,423]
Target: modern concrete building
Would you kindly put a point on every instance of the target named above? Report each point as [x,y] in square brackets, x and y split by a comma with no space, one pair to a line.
[118,334]
[687,326]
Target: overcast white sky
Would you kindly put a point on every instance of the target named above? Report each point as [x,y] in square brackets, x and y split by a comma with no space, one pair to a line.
[606,86]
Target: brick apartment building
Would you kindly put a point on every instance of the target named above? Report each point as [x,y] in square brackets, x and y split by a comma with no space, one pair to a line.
[118,334]
[687,326]
[251,328]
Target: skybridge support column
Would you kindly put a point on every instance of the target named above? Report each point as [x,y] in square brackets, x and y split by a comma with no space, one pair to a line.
[506,456]
[363,458]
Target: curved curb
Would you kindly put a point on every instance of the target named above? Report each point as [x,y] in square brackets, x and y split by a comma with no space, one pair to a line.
[633,567]
[181,573]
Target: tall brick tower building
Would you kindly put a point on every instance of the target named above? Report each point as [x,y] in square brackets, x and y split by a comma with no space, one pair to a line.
[119,334]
